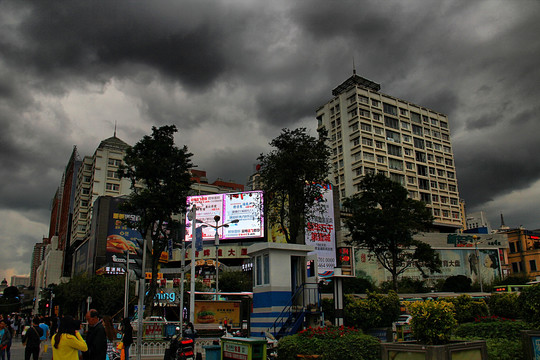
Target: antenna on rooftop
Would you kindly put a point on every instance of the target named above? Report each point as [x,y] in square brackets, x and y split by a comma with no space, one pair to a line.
[353,67]
[114,128]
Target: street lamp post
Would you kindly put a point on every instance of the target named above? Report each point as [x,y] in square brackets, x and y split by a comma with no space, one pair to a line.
[216,243]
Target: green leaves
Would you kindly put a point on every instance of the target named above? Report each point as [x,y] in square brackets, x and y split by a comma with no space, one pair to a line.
[382,219]
[160,180]
[289,174]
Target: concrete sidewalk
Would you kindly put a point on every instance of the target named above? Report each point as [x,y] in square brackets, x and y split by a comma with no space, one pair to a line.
[17,350]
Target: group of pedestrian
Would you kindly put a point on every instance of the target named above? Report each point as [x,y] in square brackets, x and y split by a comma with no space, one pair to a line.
[67,341]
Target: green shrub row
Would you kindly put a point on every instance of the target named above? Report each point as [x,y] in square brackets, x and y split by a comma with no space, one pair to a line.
[333,343]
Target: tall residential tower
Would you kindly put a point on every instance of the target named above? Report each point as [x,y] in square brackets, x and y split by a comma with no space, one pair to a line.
[371,132]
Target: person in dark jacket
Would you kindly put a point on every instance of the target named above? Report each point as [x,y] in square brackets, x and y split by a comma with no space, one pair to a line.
[96,338]
[127,337]
[5,339]
[32,341]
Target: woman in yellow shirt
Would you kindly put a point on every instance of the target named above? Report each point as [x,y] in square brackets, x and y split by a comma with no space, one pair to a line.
[67,342]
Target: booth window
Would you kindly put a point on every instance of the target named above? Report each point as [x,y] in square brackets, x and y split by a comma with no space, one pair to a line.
[262,271]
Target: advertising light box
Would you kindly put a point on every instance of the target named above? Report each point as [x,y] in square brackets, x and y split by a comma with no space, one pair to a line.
[246,207]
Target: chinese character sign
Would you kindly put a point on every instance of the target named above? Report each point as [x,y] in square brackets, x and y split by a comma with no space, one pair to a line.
[320,233]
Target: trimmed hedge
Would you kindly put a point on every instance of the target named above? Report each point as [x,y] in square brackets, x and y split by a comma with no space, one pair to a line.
[333,343]
[493,328]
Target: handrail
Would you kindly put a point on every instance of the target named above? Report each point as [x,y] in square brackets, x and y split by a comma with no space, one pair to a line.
[287,311]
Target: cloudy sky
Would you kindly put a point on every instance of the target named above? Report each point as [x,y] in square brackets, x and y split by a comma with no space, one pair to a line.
[231,74]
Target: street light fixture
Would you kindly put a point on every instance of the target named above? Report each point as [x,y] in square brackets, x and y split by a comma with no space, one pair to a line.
[216,243]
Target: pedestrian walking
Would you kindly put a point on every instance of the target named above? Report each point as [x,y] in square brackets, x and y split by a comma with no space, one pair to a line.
[44,347]
[5,342]
[67,342]
[111,332]
[127,336]
[96,339]
[31,340]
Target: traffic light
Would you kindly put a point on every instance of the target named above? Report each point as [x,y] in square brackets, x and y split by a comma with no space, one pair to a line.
[138,267]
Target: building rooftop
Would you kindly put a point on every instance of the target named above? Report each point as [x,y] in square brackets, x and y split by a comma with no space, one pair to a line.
[354,81]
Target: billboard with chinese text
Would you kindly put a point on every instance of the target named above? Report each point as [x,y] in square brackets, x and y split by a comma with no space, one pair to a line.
[320,232]
[246,207]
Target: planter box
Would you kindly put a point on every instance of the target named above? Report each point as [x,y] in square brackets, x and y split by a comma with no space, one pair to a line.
[456,350]
[531,344]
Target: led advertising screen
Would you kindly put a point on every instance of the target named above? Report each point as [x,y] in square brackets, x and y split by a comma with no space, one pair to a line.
[246,207]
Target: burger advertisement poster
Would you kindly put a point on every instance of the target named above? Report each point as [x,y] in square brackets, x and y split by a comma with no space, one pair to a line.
[120,237]
[216,312]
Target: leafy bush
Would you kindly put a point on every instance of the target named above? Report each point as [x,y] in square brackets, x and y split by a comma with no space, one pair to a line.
[432,321]
[492,327]
[504,305]
[467,309]
[504,349]
[377,310]
[333,343]
[529,303]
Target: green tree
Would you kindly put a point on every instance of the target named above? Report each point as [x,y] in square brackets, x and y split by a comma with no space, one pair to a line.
[160,182]
[107,292]
[235,281]
[383,220]
[290,175]
[10,301]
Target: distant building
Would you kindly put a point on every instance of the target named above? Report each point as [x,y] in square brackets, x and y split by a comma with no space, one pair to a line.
[371,132]
[201,186]
[17,280]
[477,222]
[524,253]
[37,257]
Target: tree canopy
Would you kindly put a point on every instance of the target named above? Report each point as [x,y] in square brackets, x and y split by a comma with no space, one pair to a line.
[290,174]
[160,180]
[383,219]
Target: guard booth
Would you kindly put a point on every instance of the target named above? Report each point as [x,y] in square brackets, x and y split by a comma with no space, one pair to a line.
[284,287]
[236,348]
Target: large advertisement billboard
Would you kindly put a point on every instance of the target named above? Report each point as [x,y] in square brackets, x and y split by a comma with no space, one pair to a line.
[120,237]
[320,232]
[246,207]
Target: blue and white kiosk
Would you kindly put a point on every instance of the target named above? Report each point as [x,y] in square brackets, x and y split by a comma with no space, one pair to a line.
[285,292]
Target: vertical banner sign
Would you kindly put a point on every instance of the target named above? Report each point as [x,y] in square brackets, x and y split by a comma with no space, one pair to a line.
[198,239]
[320,232]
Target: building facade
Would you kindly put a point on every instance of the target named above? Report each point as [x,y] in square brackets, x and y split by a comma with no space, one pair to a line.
[524,252]
[371,132]
[37,257]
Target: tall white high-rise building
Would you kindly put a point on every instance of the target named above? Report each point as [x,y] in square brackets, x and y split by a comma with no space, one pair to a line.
[371,132]
[97,176]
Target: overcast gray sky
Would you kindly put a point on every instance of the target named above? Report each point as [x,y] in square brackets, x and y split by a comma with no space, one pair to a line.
[231,74]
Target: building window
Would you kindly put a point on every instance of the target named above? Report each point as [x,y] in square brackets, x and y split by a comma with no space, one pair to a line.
[434,121]
[446,213]
[378,130]
[353,113]
[376,103]
[408,152]
[389,109]
[394,150]
[442,186]
[435,198]
[448,162]
[354,127]
[405,125]
[418,143]
[115,162]
[376,116]
[112,174]
[86,191]
[415,117]
[423,184]
[452,188]
[112,187]
[403,111]
[436,212]
[87,179]
[262,269]
[406,138]
[450,174]
[393,136]
[410,165]
[379,144]
[356,141]
[440,172]
[400,179]
[512,247]
[367,141]
[395,164]
[365,127]
[411,180]
[420,156]
[422,170]
[417,130]
[369,156]
[363,113]
[381,159]
[532,264]
[351,99]
[516,267]
[391,122]
[363,99]
[425,198]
